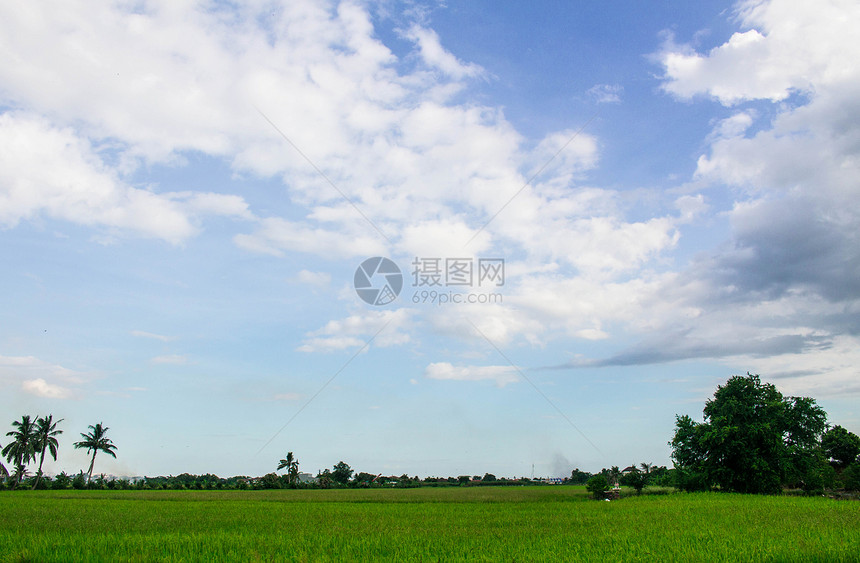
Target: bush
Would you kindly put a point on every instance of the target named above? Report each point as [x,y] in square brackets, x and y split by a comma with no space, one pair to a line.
[597,485]
[851,477]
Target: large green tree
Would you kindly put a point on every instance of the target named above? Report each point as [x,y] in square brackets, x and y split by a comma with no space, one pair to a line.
[46,441]
[752,440]
[96,441]
[841,446]
[21,450]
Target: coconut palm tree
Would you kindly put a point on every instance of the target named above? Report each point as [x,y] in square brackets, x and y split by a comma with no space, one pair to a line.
[3,471]
[45,441]
[22,448]
[96,441]
[292,466]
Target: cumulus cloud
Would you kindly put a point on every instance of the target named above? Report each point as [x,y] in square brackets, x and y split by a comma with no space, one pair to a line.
[790,45]
[500,375]
[42,388]
[40,378]
[386,328]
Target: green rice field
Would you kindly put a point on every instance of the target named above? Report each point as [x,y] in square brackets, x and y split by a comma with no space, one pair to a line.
[550,523]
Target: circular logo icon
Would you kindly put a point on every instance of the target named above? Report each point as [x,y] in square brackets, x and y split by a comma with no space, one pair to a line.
[378,281]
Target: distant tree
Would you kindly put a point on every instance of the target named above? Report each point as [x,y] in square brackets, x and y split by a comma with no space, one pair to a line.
[646,467]
[269,481]
[291,464]
[841,446]
[80,481]
[342,473]
[364,479]
[752,440]
[21,450]
[578,477]
[636,479]
[62,481]
[3,471]
[614,475]
[597,485]
[464,479]
[489,478]
[324,479]
[96,441]
[46,441]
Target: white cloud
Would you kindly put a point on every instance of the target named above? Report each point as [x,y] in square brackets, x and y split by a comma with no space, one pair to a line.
[791,45]
[435,56]
[152,335]
[40,378]
[390,328]
[173,359]
[42,388]
[315,279]
[500,375]
[51,171]
[606,93]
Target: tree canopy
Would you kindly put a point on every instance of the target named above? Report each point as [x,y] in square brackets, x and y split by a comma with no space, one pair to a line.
[752,440]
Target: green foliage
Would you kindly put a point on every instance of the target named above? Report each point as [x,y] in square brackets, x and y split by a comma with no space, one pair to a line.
[22,449]
[636,479]
[597,485]
[45,441]
[61,481]
[578,477]
[291,464]
[841,446]
[96,441]
[753,440]
[342,473]
[851,477]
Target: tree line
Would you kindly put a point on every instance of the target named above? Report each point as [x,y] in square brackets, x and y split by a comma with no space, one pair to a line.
[37,438]
[752,440]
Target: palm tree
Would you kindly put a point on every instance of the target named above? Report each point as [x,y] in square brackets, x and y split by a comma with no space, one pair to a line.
[22,449]
[46,430]
[96,441]
[292,466]
[3,471]
[646,467]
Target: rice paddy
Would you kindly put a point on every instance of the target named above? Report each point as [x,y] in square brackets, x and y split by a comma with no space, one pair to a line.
[550,523]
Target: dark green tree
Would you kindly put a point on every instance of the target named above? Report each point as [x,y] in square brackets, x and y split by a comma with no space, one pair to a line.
[96,441]
[342,473]
[46,441]
[22,449]
[841,446]
[636,479]
[597,485]
[291,464]
[752,440]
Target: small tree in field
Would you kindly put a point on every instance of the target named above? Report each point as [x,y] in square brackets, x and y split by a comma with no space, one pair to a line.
[636,479]
[597,485]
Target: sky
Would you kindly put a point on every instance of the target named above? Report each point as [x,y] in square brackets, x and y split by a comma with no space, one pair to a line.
[630,202]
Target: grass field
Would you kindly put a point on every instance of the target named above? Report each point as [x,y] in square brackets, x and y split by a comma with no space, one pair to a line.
[555,523]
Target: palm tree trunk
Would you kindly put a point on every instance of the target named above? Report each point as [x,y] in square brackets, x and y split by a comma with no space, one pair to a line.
[39,473]
[93,462]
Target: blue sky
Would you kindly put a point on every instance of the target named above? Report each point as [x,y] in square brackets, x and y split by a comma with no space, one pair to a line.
[187,189]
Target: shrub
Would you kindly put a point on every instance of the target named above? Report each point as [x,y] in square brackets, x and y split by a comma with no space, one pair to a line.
[597,485]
